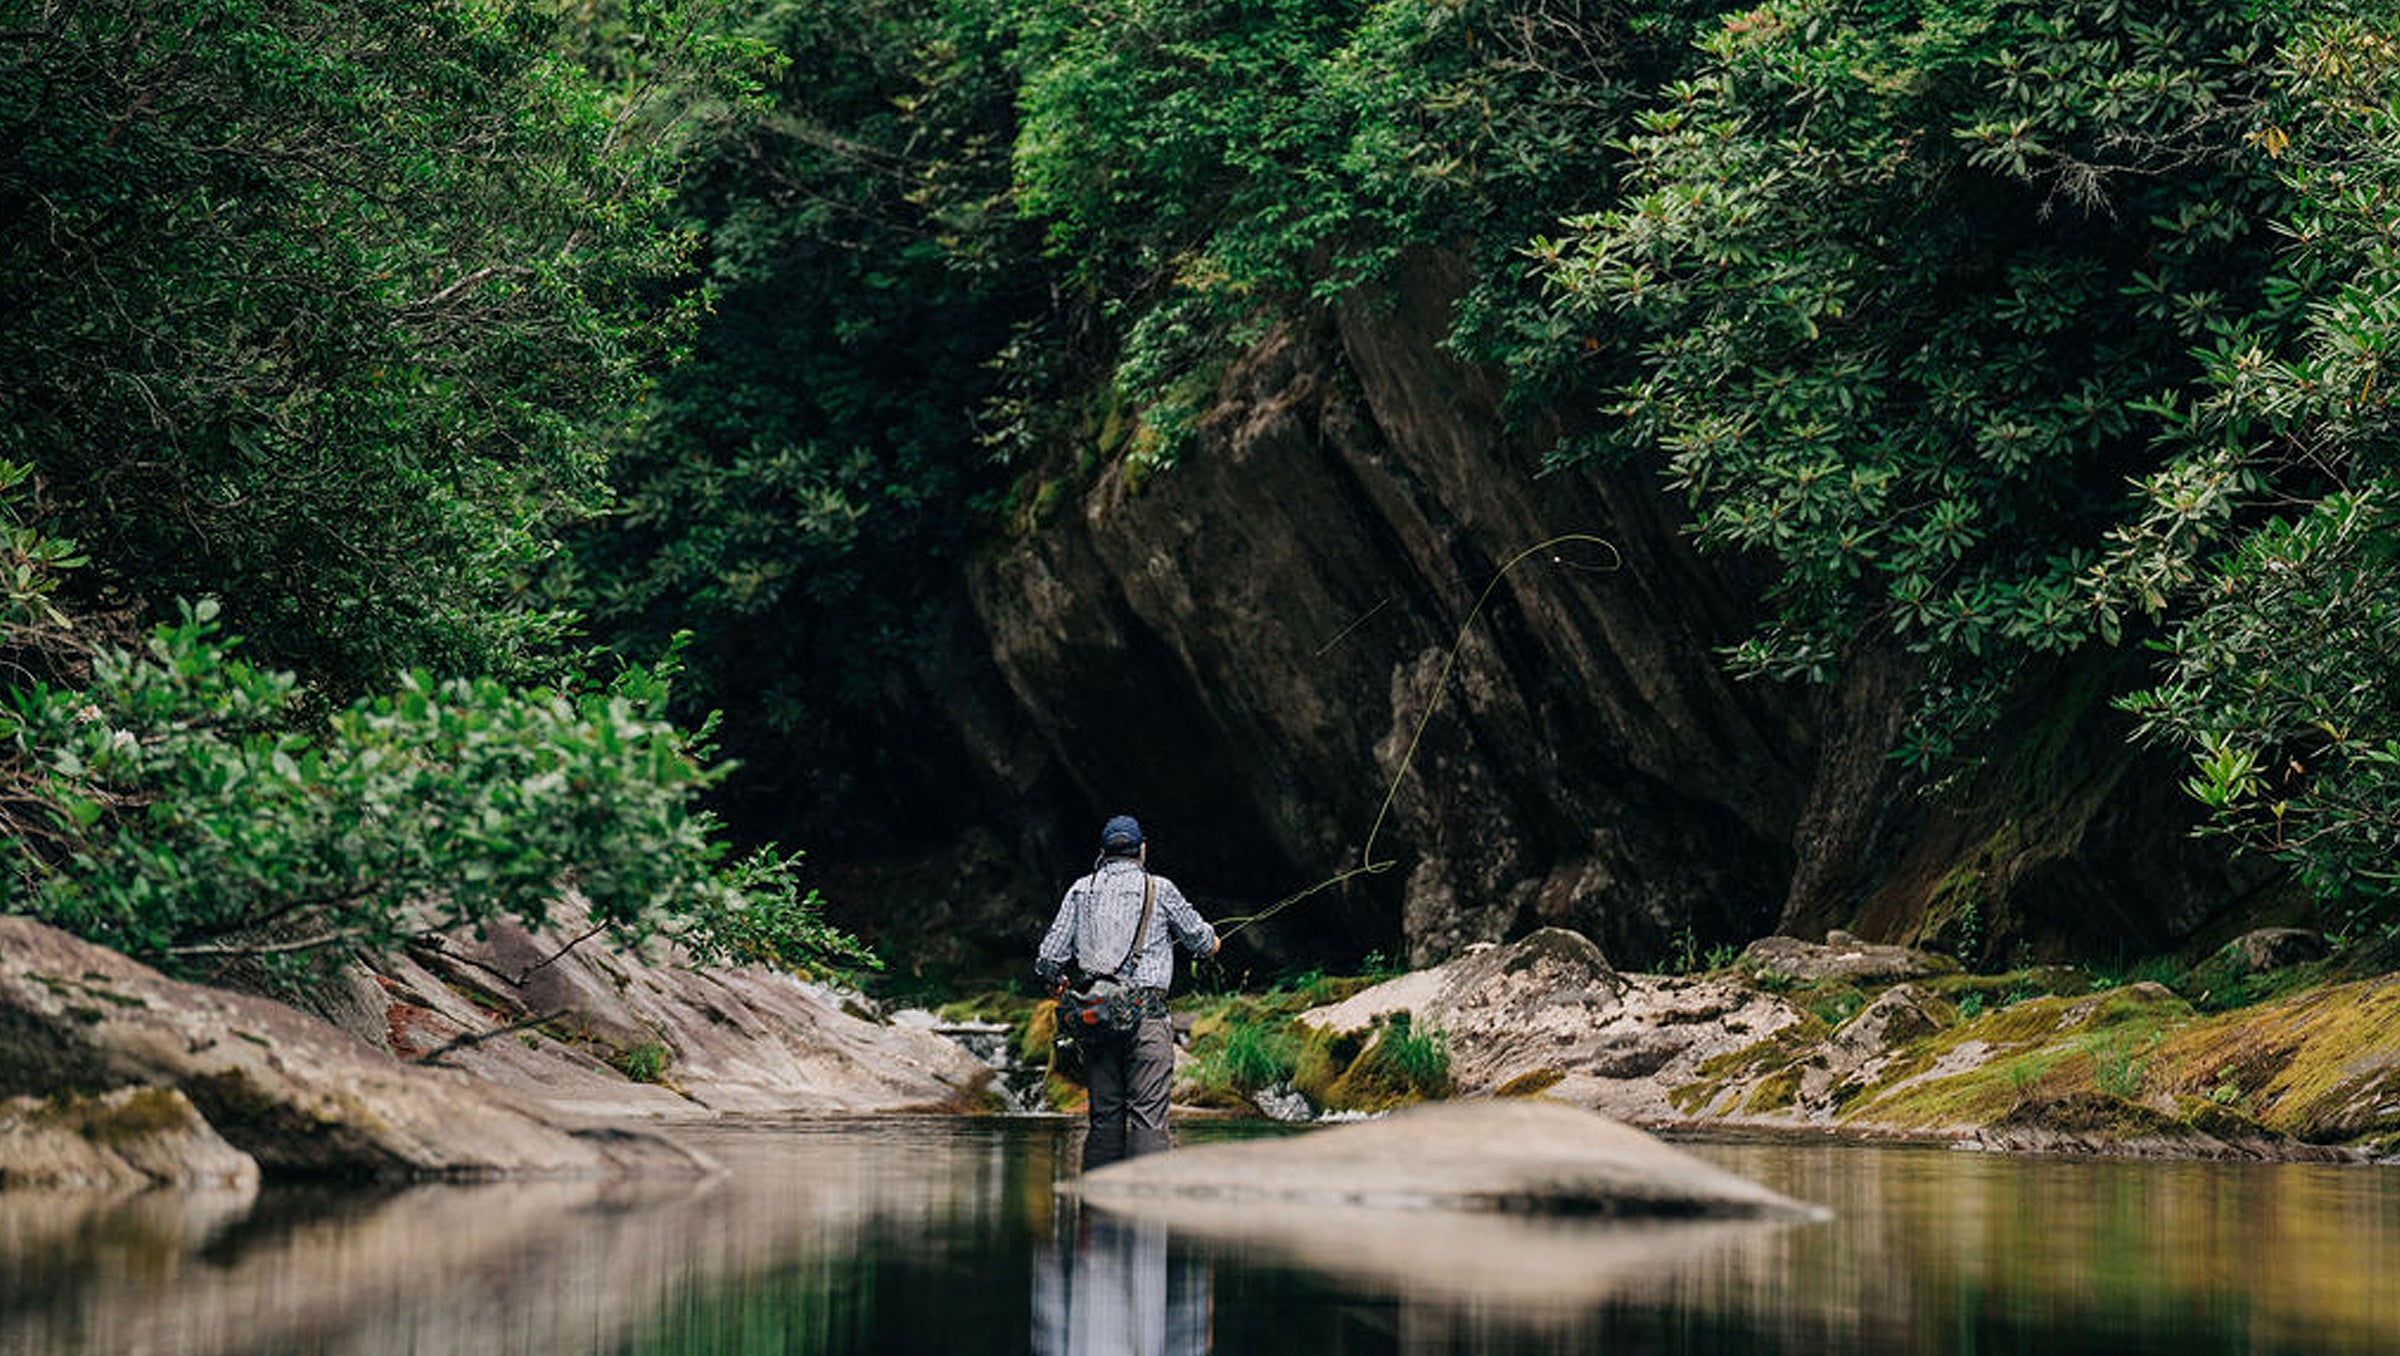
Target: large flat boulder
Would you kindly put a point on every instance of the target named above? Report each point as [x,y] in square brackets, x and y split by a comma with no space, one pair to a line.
[1511,1156]
[298,1095]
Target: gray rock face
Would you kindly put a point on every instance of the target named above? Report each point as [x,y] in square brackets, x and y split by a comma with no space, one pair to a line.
[127,1139]
[1255,648]
[1281,610]
[1517,1156]
[293,1092]
[710,1040]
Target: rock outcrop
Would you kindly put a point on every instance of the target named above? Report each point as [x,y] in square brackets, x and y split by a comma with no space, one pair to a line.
[295,1094]
[1547,1013]
[1288,611]
[1831,1039]
[1840,956]
[589,1032]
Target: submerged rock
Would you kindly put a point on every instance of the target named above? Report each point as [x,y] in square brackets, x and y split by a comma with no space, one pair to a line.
[1515,1156]
[290,1090]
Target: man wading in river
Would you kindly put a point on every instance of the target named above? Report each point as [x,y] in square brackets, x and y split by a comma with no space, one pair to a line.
[1126,1072]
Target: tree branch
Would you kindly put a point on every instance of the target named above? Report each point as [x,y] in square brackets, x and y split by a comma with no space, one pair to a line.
[469,1039]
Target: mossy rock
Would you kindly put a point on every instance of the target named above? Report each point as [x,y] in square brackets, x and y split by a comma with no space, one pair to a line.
[2322,1066]
[1040,1028]
[1372,1078]
[2040,1051]
[1750,1066]
[2221,1121]
[2093,1115]
[1777,1092]
[1531,1083]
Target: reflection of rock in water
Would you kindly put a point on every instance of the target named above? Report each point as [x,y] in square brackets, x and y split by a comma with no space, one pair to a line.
[528,1268]
[1459,1257]
[1104,1287]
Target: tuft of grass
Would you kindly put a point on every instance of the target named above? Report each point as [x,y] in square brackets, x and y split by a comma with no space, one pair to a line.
[1420,1056]
[1396,1064]
[2119,1065]
[1242,1056]
[644,1063]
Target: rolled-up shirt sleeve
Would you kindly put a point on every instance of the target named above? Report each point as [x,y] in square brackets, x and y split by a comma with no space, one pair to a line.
[1058,946]
[1195,932]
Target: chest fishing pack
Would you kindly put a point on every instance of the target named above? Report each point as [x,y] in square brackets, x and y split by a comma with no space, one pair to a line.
[1105,1006]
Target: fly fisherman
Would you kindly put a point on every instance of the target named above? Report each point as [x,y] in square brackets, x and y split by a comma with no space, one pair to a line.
[1127,1073]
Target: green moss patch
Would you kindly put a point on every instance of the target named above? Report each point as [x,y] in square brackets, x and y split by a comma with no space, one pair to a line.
[1776,1092]
[2097,1115]
[2323,1066]
[2042,1051]
[1749,1065]
[1531,1083]
[137,1115]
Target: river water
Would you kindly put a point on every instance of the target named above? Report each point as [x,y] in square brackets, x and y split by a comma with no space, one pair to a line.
[947,1237]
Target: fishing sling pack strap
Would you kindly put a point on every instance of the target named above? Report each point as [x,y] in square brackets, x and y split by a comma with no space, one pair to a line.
[1107,1004]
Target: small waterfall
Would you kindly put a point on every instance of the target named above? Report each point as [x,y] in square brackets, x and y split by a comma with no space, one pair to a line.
[1019,1083]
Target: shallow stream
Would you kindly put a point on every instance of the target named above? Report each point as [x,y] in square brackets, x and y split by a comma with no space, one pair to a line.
[903,1236]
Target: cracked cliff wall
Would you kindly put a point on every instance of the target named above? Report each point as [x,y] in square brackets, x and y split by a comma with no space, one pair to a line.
[1241,649]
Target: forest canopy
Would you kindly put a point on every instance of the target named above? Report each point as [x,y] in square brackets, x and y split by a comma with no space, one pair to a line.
[416,386]
[321,318]
[2005,334]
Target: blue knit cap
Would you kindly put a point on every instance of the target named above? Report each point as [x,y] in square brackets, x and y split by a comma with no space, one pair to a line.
[1121,834]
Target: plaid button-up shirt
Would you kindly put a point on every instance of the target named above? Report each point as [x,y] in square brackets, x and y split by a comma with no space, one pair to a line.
[1095,923]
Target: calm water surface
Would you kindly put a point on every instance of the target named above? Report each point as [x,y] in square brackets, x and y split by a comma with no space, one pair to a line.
[945,1236]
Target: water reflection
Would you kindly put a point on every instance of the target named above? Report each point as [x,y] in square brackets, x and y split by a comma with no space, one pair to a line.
[945,1236]
[1102,1287]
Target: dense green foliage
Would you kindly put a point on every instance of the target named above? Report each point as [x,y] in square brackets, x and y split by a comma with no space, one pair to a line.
[313,306]
[1912,280]
[1922,288]
[2269,536]
[321,313]
[797,487]
[1207,170]
[202,819]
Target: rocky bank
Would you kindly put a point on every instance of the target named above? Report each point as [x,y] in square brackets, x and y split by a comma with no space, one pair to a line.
[511,1055]
[1844,1038]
